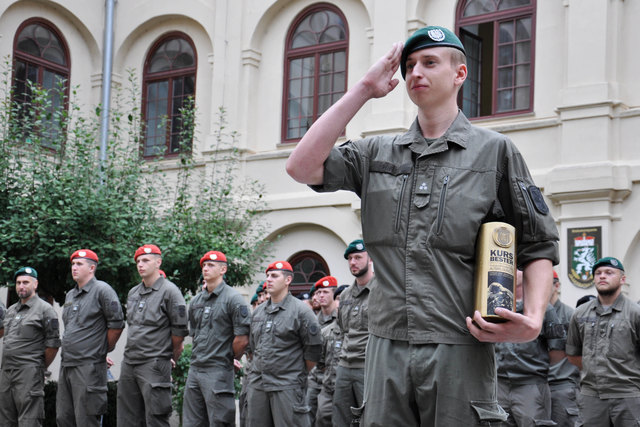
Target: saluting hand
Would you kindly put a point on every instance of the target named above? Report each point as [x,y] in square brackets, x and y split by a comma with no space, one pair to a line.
[379,79]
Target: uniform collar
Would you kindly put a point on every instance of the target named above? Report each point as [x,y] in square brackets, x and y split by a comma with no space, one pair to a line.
[88,286]
[156,286]
[216,292]
[617,305]
[456,134]
[29,303]
[282,305]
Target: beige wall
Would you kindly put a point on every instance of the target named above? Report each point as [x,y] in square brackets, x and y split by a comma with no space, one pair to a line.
[581,141]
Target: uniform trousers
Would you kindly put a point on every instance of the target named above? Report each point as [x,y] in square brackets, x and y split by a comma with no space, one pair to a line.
[617,412]
[429,385]
[209,398]
[144,394]
[314,385]
[81,399]
[22,396]
[564,404]
[284,408]
[528,405]
[325,409]
[349,391]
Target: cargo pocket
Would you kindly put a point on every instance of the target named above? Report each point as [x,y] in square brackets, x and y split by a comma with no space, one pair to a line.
[489,412]
[357,415]
[161,398]
[96,400]
[302,415]
[35,405]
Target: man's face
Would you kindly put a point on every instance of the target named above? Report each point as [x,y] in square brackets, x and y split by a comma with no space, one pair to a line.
[82,270]
[277,282]
[324,296]
[148,265]
[608,280]
[25,287]
[431,79]
[358,263]
[262,297]
[213,270]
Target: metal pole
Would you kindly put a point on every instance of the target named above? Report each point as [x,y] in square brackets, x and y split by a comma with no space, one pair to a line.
[107,67]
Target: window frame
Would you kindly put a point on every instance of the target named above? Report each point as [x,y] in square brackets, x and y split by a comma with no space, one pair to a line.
[495,18]
[41,64]
[316,50]
[168,76]
[295,259]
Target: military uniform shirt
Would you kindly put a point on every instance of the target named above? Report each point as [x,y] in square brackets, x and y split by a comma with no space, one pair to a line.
[563,371]
[353,321]
[29,328]
[3,311]
[215,319]
[154,314]
[608,339]
[282,337]
[528,363]
[331,350]
[87,314]
[422,208]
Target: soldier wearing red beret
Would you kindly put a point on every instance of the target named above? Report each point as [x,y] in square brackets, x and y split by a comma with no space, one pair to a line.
[93,321]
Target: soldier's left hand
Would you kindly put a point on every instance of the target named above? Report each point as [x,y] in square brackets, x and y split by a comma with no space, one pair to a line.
[517,328]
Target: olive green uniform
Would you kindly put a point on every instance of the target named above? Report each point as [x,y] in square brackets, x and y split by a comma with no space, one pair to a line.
[283,336]
[3,311]
[608,339]
[29,329]
[215,319]
[316,376]
[564,379]
[82,385]
[523,390]
[154,315]
[423,203]
[331,349]
[353,321]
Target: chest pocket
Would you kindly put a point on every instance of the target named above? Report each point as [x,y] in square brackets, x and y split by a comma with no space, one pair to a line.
[383,202]
[620,339]
[70,312]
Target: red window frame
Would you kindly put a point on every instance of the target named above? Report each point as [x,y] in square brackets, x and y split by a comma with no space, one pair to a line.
[496,18]
[170,76]
[318,271]
[315,51]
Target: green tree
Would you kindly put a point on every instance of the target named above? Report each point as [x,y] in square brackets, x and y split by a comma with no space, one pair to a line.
[57,197]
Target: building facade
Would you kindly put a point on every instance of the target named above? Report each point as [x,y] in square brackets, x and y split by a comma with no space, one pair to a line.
[557,77]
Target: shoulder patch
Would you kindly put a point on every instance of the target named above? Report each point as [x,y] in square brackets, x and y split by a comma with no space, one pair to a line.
[244,311]
[313,329]
[538,200]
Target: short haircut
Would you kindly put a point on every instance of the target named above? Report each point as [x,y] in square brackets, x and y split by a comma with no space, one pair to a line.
[457,57]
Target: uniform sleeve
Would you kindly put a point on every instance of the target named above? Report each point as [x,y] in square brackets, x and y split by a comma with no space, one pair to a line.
[190,310]
[3,311]
[554,330]
[177,313]
[344,168]
[241,316]
[525,208]
[574,337]
[111,308]
[51,328]
[311,336]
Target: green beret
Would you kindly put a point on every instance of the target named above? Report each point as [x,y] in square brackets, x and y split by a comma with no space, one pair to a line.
[432,36]
[608,261]
[355,246]
[26,271]
[254,298]
[312,290]
[260,288]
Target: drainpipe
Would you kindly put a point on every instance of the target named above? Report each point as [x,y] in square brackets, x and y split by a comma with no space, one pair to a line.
[107,67]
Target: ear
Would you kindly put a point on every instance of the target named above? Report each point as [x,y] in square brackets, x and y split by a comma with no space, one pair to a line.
[461,74]
[288,279]
[223,269]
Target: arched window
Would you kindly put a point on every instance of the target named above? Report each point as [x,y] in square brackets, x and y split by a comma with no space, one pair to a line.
[40,60]
[315,68]
[169,86]
[499,37]
[308,268]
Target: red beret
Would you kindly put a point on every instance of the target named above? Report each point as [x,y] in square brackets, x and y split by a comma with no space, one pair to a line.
[146,249]
[84,253]
[555,275]
[213,256]
[279,265]
[162,273]
[327,282]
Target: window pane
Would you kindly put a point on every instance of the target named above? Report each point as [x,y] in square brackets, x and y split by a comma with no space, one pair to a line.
[510,4]
[504,100]
[319,27]
[324,84]
[523,52]
[326,63]
[37,40]
[505,77]
[339,61]
[339,82]
[523,29]
[295,68]
[308,66]
[506,32]
[295,88]
[173,54]
[307,87]
[324,102]
[505,55]
[523,75]
[522,98]
[480,7]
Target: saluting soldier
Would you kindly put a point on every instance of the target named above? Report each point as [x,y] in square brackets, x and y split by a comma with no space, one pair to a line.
[157,320]
[285,344]
[31,341]
[219,321]
[93,321]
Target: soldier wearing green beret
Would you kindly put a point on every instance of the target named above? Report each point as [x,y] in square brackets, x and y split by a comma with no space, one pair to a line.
[604,343]
[31,342]
[425,195]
